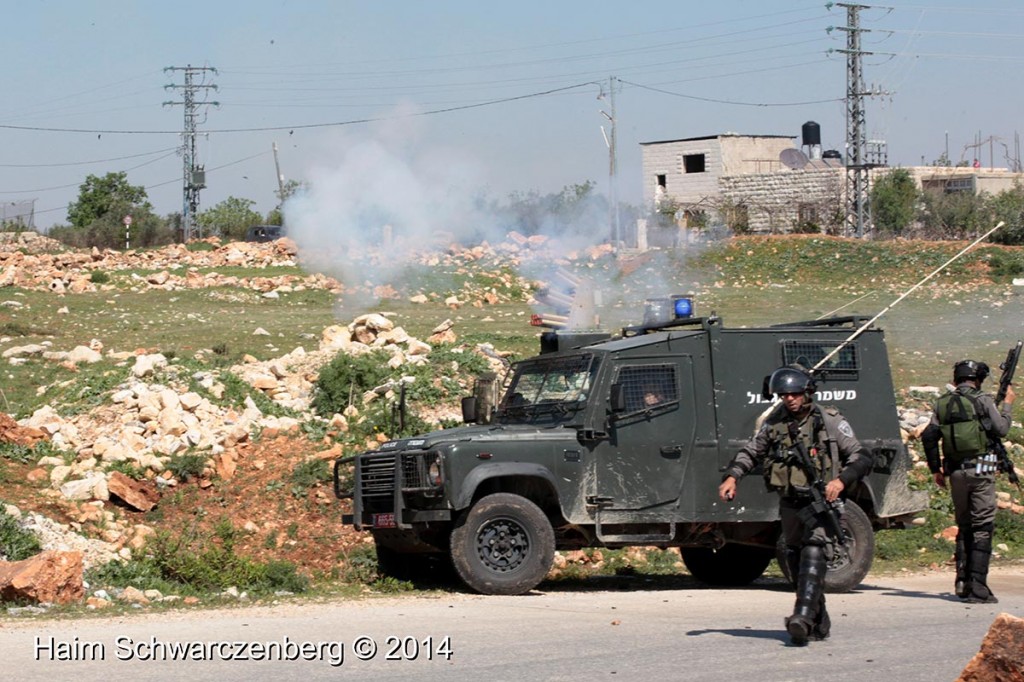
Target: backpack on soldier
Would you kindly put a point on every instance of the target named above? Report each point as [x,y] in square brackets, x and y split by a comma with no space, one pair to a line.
[963,434]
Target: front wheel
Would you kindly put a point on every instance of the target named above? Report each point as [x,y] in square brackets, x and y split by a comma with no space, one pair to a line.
[851,561]
[504,544]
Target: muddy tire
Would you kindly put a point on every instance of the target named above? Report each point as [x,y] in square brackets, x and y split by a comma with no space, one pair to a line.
[504,544]
[729,566]
[850,563]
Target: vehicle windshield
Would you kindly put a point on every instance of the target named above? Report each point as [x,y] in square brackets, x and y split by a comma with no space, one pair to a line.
[551,390]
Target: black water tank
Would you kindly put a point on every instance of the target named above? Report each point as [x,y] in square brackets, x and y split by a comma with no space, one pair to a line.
[811,133]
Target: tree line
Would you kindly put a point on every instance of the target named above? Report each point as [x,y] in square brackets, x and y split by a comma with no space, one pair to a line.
[900,209]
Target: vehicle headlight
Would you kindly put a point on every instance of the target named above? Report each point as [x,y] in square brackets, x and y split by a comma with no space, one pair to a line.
[434,473]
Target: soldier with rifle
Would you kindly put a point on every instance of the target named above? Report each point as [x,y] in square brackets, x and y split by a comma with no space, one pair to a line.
[969,425]
[810,455]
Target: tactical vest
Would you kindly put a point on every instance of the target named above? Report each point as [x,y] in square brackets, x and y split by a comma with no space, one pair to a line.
[783,471]
[963,425]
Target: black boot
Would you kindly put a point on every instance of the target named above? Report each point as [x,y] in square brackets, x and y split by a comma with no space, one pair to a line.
[977,567]
[822,623]
[964,543]
[810,587]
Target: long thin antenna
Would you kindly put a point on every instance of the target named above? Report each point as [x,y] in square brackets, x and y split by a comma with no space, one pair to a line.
[846,305]
[905,294]
[764,415]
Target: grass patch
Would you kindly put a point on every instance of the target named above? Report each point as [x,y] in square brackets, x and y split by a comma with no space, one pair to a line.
[309,474]
[16,543]
[189,562]
[205,561]
[187,465]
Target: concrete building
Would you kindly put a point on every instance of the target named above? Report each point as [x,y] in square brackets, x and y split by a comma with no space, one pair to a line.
[965,179]
[745,182]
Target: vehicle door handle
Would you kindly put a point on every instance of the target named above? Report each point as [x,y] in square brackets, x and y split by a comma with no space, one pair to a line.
[671,450]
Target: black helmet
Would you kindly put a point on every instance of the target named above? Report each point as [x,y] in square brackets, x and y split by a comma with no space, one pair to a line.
[791,379]
[970,370]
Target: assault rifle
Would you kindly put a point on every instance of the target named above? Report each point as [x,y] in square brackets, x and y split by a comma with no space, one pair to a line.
[819,504]
[1009,366]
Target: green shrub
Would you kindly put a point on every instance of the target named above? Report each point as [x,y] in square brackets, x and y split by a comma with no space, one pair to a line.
[359,565]
[99,277]
[206,561]
[142,574]
[187,465]
[1005,264]
[236,391]
[17,452]
[129,468]
[345,378]
[16,543]
[27,454]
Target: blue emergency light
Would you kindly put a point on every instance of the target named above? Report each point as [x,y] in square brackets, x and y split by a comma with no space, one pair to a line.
[658,311]
[683,306]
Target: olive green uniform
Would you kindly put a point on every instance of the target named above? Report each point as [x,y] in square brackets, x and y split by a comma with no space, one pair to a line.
[972,487]
[835,452]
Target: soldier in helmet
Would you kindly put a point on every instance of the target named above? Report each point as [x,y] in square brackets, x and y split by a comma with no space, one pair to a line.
[965,420]
[840,460]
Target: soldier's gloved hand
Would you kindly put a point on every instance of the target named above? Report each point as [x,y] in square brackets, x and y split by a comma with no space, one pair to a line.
[727,491]
[940,479]
[833,488]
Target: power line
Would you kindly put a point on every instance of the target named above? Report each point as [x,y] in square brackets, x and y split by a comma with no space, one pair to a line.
[725,101]
[301,126]
[601,40]
[165,182]
[84,163]
[78,184]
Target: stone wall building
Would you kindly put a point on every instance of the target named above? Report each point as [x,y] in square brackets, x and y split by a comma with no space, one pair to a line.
[741,181]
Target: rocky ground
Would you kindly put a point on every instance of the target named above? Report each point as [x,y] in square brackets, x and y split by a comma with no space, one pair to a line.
[85,502]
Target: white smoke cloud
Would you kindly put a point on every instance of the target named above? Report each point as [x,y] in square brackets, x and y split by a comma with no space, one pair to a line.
[377,203]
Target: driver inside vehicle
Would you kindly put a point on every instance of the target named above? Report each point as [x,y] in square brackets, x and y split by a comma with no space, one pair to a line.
[653,395]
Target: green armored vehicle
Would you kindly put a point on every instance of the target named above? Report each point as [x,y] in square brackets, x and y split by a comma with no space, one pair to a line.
[617,441]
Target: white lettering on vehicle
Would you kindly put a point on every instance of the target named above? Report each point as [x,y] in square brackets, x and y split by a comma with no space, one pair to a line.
[820,396]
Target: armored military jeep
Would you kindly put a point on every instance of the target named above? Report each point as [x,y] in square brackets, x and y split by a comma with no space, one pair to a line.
[614,441]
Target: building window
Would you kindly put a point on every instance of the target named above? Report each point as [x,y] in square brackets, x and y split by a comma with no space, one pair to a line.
[954,185]
[662,181]
[807,213]
[693,163]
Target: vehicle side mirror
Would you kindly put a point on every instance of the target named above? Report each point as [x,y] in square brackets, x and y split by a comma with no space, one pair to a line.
[469,409]
[617,399]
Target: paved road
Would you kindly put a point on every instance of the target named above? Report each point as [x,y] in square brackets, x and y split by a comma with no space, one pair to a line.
[893,628]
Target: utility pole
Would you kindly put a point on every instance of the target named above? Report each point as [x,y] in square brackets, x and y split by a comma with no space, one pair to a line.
[611,141]
[858,209]
[280,178]
[194,176]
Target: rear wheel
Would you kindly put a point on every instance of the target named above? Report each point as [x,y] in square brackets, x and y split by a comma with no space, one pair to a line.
[504,544]
[730,565]
[851,561]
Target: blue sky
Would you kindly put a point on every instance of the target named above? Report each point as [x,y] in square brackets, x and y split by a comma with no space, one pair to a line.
[84,88]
